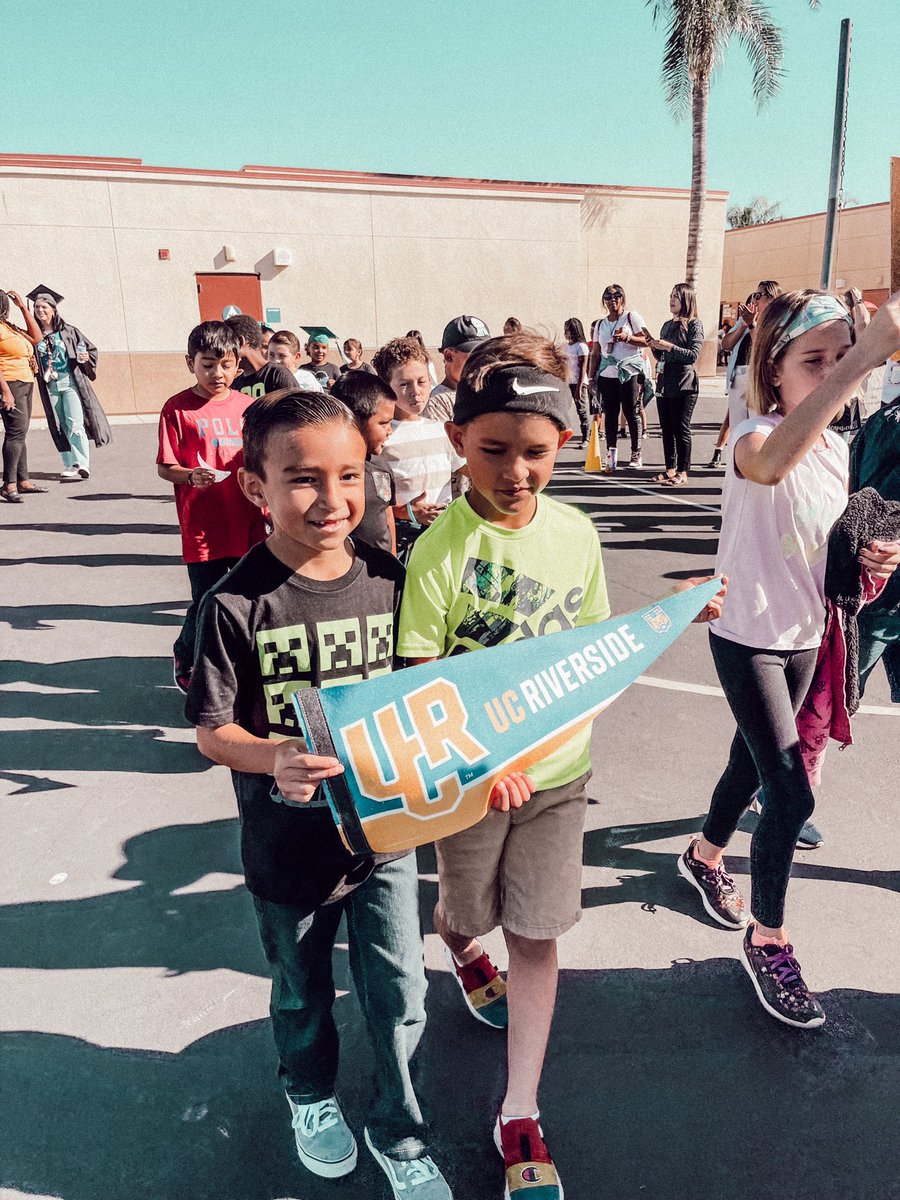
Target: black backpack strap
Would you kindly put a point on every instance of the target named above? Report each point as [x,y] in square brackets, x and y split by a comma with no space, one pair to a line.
[320,741]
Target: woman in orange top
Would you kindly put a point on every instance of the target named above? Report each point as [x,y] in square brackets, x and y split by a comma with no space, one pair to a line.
[16,355]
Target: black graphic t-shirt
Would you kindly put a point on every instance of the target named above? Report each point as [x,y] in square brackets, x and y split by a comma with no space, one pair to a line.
[264,634]
[326,372]
[268,378]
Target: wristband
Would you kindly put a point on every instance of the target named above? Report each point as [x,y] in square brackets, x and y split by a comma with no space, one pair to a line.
[411,516]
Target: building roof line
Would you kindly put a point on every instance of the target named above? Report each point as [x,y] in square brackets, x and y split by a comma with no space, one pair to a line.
[808,216]
[57,162]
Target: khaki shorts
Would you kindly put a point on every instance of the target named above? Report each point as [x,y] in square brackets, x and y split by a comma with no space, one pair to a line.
[519,869]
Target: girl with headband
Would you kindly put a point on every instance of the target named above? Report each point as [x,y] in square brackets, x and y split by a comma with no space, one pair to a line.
[784,488]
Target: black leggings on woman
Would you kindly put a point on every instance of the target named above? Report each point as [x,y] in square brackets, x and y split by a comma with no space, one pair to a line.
[675,414]
[615,394]
[764,689]
[15,425]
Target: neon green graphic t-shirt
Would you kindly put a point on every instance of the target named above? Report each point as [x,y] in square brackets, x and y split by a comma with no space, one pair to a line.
[470,584]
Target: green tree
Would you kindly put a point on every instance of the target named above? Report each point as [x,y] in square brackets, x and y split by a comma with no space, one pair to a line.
[698,33]
[758,212]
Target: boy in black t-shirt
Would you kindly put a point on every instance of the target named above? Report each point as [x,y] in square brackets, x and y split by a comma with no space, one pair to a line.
[258,376]
[372,403]
[311,608]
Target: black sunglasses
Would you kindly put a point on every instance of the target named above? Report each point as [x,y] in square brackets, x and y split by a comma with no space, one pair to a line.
[613,295]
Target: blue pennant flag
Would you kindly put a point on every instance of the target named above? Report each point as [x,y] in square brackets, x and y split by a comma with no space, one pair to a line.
[423,748]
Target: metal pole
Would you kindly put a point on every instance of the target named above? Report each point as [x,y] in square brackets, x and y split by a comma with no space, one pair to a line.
[837,153]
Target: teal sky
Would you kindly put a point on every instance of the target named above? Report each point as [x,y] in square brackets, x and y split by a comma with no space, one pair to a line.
[510,89]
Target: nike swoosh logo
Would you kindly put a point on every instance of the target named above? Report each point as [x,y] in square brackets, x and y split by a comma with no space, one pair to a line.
[529,391]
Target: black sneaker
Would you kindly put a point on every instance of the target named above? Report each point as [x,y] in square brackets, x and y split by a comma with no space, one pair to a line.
[715,461]
[809,837]
[717,889]
[779,985]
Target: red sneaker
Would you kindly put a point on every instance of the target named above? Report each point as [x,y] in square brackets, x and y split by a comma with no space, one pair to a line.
[529,1168]
[483,989]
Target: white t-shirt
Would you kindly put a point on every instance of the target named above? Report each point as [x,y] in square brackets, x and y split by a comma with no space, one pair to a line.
[306,381]
[422,460]
[774,543]
[576,352]
[603,330]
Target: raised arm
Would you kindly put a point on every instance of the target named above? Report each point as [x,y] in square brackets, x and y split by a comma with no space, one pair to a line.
[34,332]
[769,459]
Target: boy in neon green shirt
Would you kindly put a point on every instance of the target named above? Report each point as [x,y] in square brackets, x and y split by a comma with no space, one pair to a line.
[501,564]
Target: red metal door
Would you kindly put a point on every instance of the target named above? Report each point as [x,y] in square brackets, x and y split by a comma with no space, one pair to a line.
[217,293]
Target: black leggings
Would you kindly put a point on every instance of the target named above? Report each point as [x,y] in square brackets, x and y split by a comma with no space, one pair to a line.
[615,394]
[764,689]
[675,414]
[15,425]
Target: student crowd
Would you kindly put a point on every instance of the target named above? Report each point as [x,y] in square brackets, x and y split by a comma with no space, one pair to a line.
[337,523]
[291,502]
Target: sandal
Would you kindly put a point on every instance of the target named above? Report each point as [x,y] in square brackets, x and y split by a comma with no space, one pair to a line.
[12,497]
[33,490]
[676,481]
[661,478]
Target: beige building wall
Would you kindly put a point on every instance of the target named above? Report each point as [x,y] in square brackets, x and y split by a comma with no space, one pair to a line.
[372,255]
[791,252]
[640,241]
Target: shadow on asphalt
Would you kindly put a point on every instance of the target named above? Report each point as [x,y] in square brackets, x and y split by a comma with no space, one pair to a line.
[640,1085]
[92,530]
[99,560]
[46,616]
[657,884]
[93,691]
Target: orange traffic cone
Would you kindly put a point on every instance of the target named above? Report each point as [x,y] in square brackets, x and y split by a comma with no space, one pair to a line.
[592,460]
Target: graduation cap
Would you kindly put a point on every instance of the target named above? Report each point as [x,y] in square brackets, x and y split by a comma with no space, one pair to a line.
[318,331]
[43,290]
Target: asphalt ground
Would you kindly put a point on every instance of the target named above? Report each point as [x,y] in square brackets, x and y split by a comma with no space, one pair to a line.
[137,1059]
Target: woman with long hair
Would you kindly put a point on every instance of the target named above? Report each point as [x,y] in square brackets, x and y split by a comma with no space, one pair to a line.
[785,486]
[677,348]
[68,363]
[16,358]
[579,353]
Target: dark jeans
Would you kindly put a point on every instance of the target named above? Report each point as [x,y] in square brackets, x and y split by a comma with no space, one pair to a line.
[627,396]
[764,689]
[15,426]
[879,640]
[675,414]
[580,400]
[385,951]
[202,576]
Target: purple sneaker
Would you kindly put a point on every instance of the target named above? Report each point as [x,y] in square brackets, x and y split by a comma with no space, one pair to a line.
[717,889]
[779,985]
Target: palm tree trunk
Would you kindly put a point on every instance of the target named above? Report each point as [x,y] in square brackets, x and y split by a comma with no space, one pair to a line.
[699,116]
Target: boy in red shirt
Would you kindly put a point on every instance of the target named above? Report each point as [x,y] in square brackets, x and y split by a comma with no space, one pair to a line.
[200,451]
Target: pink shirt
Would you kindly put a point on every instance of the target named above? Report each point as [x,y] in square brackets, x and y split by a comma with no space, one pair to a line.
[774,543]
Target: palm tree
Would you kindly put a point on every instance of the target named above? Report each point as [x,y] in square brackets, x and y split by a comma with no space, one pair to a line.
[698,33]
[758,212]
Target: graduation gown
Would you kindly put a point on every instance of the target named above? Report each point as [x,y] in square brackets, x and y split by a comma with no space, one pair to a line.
[95,423]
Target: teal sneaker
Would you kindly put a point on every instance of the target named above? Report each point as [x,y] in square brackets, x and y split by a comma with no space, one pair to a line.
[325,1143]
[413,1179]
